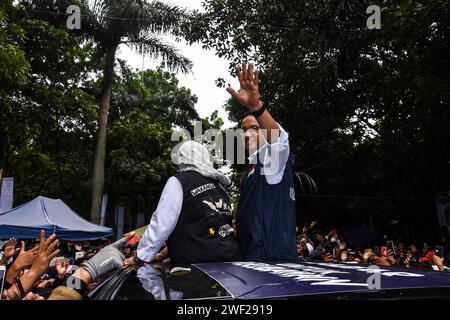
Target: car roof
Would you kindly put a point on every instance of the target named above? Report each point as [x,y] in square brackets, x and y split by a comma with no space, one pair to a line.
[261,280]
[268,280]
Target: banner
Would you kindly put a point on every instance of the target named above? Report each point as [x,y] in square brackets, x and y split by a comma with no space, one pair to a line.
[443,212]
[140,219]
[119,221]
[7,195]
[103,211]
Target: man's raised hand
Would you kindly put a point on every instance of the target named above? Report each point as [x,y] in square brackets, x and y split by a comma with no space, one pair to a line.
[248,95]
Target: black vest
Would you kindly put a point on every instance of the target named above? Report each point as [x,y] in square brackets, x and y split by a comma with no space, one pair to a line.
[203,232]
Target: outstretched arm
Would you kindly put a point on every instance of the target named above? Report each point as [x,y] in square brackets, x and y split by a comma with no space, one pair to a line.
[248,96]
[163,221]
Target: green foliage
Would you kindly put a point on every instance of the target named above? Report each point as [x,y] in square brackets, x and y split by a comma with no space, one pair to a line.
[141,27]
[142,118]
[367,110]
[47,119]
[49,112]
[14,67]
[155,91]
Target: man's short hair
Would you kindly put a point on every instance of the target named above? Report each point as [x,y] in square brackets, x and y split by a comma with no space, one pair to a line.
[248,113]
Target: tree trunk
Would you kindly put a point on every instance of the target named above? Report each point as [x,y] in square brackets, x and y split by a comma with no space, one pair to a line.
[98,175]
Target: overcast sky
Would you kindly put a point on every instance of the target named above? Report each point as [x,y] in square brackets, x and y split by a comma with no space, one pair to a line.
[207,68]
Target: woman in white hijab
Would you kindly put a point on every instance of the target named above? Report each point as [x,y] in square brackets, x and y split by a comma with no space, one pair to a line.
[192,156]
[193,213]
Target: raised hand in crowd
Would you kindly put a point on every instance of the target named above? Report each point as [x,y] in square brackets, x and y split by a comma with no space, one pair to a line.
[439,262]
[26,258]
[309,226]
[333,233]
[327,257]
[46,252]
[61,267]
[78,247]
[368,255]
[407,261]
[382,261]
[386,259]
[390,257]
[23,261]
[344,255]
[10,250]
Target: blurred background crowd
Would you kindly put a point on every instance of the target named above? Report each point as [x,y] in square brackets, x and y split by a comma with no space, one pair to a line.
[45,265]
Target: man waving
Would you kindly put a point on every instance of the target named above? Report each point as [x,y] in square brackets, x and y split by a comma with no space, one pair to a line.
[266,208]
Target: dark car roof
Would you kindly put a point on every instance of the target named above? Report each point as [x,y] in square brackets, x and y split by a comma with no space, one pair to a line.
[263,280]
[155,283]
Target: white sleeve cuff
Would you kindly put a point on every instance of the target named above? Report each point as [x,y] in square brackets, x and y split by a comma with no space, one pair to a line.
[275,158]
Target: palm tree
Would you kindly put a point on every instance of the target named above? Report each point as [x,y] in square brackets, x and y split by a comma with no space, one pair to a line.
[140,25]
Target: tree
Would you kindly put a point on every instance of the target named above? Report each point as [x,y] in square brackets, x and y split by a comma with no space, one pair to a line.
[14,69]
[142,118]
[140,25]
[47,119]
[365,108]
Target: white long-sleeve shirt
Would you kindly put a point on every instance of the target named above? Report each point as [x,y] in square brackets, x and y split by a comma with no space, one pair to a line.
[163,221]
[273,158]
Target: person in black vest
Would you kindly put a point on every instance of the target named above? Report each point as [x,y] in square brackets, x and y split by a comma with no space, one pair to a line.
[265,218]
[194,213]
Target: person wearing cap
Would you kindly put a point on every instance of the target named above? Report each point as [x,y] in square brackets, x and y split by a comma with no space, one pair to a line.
[265,219]
[194,215]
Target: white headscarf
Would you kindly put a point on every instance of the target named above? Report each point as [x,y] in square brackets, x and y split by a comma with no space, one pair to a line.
[192,156]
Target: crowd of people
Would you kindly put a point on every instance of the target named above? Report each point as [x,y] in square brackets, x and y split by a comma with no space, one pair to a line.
[49,268]
[42,269]
[313,244]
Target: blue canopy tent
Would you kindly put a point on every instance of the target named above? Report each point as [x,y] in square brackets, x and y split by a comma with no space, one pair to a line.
[54,216]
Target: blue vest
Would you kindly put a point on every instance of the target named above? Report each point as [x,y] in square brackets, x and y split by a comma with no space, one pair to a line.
[265,220]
